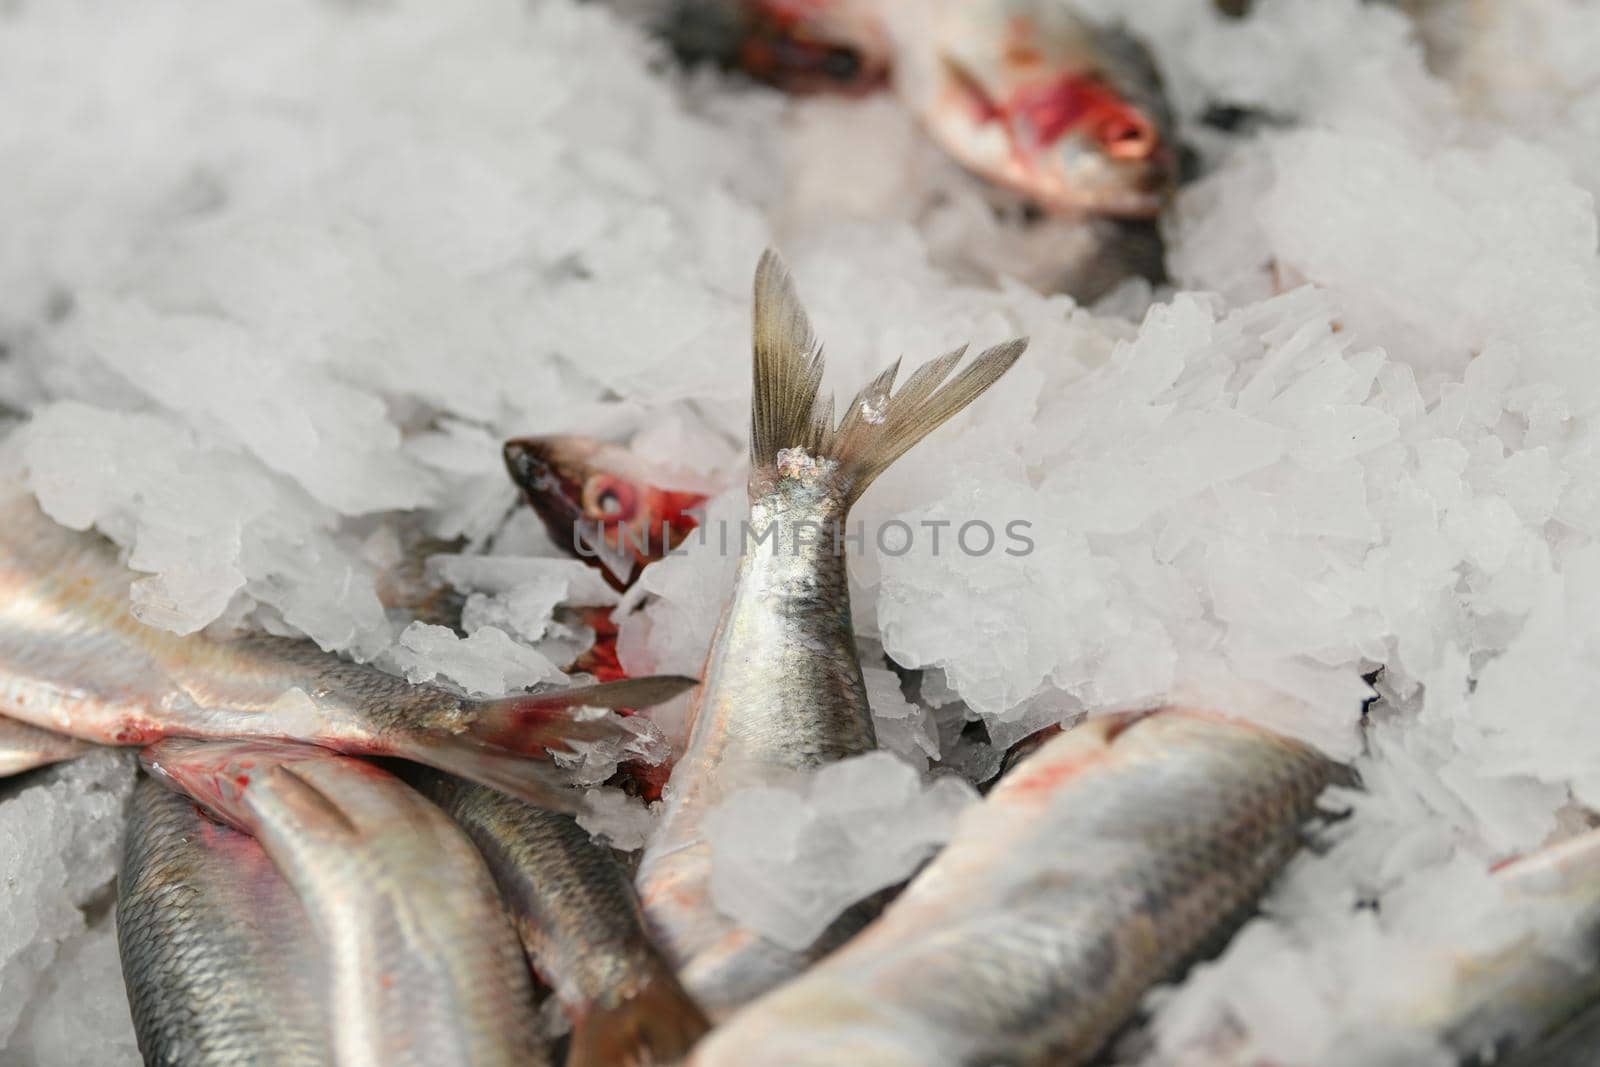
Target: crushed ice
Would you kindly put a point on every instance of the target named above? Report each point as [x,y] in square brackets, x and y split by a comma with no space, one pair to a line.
[256,302]
[788,860]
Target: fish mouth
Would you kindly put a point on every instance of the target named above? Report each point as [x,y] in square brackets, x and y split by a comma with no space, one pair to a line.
[553,492]
[1070,155]
[1141,195]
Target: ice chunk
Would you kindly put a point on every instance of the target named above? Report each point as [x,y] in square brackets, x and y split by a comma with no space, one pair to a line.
[488,663]
[673,632]
[202,523]
[616,819]
[80,1014]
[59,839]
[593,762]
[787,861]
[520,596]
[904,728]
[333,439]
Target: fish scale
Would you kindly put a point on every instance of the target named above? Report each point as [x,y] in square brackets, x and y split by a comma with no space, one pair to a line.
[218,957]
[1094,869]
[422,967]
[573,905]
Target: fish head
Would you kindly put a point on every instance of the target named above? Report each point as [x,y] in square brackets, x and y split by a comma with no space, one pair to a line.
[215,774]
[1068,113]
[803,46]
[599,503]
[810,46]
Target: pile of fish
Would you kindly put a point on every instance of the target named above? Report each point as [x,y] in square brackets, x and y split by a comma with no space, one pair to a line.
[324,863]
[286,899]
[1066,113]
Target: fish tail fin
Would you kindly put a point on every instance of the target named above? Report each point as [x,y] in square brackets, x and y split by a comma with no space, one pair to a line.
[658,1025]
[537,723]
[878,427]
[510,742]
[531,779]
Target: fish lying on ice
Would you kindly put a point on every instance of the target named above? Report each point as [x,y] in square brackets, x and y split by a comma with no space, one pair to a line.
[598,503]
[1093,870]
[74,660]
[1527,997]
[799,46]
[573,904]
[422,967]
[1029,94]
[1505,1006]
[218,956]
[783,687]
[24,747]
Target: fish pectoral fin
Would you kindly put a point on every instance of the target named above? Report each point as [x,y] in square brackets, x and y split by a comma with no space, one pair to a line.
[531,779]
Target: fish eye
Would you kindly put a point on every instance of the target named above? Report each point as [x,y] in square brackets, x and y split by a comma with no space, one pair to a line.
[609,498]
[841,65]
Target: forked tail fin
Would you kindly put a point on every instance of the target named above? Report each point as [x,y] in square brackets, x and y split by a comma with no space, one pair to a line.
[878,427]
[535,723]
[655,1027]
[510,744]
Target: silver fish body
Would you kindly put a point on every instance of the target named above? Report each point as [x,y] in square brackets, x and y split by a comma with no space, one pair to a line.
[783,689]
[423,968]
[1033,95]
[572,903]
[220,963]
[1530,1001]
[24,747]
[1092,871]
[73,659]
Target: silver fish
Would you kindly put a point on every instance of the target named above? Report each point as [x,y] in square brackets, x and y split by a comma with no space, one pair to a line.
[1522,999]
[24,747]
[74,660]
[218,956]
[573,904]
[1033,95]
[423,968]
[1091,871]
[783,688]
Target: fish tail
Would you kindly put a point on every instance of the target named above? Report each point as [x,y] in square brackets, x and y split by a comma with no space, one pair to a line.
[537,723]
[658,1025]
[509,743]
[531,779]
[878,427]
